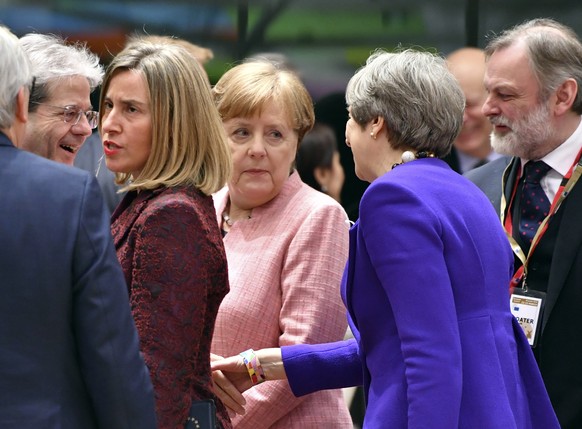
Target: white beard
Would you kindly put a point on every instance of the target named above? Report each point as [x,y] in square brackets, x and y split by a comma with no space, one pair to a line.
[528,137]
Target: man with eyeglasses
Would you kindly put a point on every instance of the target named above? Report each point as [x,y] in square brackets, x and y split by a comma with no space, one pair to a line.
[60,113]
[61,119]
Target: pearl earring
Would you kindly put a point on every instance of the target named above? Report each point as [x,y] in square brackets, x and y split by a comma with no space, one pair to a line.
[372,135]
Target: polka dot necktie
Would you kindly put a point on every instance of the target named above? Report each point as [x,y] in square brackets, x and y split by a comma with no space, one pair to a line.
[534,204]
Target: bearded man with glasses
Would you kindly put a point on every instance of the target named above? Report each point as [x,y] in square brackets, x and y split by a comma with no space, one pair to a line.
[60,113]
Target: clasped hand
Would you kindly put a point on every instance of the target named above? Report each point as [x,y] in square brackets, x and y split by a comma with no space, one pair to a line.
[231,377]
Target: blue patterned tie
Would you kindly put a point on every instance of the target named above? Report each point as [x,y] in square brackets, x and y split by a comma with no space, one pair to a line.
[534,204]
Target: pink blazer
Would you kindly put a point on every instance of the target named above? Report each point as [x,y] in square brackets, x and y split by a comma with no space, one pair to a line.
[285,266]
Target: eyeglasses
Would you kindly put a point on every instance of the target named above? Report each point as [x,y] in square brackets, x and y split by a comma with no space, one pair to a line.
[72,114]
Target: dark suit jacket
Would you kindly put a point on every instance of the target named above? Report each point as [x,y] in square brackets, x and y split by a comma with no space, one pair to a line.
[452,159]
[171,251]
[426,292]
[559,351]
[69,354]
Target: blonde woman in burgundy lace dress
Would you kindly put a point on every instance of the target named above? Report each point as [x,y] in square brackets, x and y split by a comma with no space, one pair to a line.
[164,139]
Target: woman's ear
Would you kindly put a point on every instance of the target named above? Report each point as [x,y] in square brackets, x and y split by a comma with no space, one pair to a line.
[377,126]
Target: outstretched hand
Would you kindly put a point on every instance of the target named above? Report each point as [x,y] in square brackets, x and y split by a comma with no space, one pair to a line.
[231,378]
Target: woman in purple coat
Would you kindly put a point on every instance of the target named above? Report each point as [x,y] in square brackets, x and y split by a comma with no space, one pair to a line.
[426,284]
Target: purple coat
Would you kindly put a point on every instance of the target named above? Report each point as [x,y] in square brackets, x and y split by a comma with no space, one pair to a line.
[426,288]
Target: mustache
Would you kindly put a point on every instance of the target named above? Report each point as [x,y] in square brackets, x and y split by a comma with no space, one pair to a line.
[500,121]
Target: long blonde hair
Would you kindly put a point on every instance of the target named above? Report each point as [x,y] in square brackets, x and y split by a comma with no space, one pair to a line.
[189,146]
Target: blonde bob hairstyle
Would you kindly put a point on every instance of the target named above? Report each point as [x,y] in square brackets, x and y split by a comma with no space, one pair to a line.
[189,146]
[245,90]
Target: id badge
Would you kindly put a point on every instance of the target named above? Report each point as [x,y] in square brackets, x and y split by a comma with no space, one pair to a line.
[527,307]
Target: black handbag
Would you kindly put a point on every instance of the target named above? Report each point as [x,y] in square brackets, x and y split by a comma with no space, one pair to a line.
[202,415]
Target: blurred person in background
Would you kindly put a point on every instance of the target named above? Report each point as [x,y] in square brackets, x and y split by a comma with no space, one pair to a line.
[201,54]
[318,161]
[331,110]
[473,146]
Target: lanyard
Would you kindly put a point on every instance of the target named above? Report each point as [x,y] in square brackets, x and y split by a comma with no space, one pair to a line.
[564,190]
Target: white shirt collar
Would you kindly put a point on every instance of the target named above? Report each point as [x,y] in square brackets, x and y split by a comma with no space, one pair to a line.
[562,157]
[560,160]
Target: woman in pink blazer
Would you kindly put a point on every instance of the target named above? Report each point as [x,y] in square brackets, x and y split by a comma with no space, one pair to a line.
[286,243]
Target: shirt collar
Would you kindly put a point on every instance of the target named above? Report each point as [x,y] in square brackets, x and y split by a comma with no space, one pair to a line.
[467,162]
[562,157]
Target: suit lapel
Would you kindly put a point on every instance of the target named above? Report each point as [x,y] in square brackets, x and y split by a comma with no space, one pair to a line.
[568,242]
[453,160]
[349,273]
[491,179]
[127,214]
[509,178]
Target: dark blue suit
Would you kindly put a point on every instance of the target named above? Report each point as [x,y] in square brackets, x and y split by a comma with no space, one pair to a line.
[69,356]
[426,288]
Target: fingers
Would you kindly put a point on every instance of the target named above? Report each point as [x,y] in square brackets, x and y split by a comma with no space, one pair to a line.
[228,393]
[214,357]
[232,407]
[232,364]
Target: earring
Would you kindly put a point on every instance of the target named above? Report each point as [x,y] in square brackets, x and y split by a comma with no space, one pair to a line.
[372,135]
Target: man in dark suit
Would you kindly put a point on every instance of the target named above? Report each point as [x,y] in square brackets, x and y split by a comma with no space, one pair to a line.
[69,352]
[534,81]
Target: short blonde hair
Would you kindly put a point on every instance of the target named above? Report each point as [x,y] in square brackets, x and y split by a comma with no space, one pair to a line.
[189,146]
[244,90]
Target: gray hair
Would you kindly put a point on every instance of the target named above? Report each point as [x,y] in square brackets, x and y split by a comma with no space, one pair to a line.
[15,73]
[416,95]
[53,59]
[554,51]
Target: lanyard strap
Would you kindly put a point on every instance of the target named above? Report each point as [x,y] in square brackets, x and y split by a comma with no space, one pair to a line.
[564,190]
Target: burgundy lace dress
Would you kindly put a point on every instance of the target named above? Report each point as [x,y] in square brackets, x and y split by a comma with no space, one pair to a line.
[172,255]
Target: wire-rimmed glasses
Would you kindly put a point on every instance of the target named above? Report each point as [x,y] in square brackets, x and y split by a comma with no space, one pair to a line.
[72,114]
